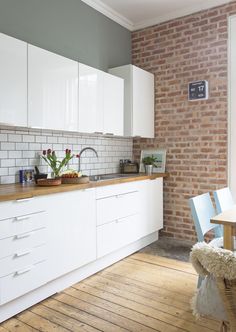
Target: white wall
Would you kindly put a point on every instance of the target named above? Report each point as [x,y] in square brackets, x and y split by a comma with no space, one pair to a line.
[232,106]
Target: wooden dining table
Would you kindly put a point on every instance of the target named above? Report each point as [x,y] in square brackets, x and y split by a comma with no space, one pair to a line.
[228,220]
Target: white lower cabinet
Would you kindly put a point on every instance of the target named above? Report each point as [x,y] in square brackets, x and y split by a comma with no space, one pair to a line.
[72,235]
[134,211]
[72,229]
[117,234]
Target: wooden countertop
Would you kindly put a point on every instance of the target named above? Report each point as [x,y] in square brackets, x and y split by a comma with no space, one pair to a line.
[10,192]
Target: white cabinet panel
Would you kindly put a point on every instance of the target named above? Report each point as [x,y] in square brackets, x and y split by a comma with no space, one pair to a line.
[72,230]
[143,103]
[151,195]
[23,281]
[52,90]
[113,105]
[138,100]
[90,99]
[117,234]
[13,81]
[116,207]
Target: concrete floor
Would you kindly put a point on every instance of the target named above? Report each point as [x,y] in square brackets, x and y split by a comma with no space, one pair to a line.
[171,248]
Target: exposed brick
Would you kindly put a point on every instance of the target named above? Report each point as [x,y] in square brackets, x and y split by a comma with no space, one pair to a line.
[194,133]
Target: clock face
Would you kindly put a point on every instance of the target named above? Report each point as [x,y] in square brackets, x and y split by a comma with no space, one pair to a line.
[198,90]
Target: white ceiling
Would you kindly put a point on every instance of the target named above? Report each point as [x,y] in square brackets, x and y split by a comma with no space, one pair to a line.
[138,14]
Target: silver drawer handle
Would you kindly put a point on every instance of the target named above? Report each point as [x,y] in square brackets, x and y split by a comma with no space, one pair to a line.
[22,218]
[22,236]
[22,253]
[23,200]
[118,221]
[27,269]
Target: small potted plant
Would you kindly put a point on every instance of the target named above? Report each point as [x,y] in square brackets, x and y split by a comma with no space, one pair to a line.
[149,162]
[56,165]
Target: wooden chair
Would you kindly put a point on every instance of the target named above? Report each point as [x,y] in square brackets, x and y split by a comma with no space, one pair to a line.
[223,199]
[221,264]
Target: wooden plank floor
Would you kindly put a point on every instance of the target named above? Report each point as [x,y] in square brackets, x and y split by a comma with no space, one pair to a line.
[142,293]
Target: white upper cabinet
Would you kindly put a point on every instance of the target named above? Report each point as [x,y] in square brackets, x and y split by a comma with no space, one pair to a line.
[101,102]
[90,99]
[52,90]
[13,81]
[113,116]
[139,100]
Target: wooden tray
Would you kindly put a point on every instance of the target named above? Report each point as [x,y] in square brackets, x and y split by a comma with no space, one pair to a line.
[80,180]
[49,182]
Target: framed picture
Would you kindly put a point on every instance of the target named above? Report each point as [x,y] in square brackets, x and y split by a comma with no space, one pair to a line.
[26,175]
[160,155]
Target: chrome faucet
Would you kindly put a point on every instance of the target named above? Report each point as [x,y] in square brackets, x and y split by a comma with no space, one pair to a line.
[82,151]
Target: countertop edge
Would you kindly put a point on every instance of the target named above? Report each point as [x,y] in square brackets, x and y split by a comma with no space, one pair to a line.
[9,192]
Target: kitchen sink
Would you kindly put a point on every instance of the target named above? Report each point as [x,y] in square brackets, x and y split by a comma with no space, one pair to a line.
[104,177]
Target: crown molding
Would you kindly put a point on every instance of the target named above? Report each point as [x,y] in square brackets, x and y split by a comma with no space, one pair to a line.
[201,5]
[111,13]
[126,23]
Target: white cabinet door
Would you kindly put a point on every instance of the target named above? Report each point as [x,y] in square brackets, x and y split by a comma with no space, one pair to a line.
[138,100]
[90,99]
[143,103]
[113,105]
[151,195]
[13,81]
[52,90]
[72,222]
[155,202]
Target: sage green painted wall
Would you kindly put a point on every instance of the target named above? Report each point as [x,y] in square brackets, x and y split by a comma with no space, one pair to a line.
[67,27]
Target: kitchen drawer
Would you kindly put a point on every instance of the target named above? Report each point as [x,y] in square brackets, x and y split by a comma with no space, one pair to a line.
[23,281]
[116,189]
[28,240]
[117,234]
[116,207]
[20,207]
[22,224]
[21,259]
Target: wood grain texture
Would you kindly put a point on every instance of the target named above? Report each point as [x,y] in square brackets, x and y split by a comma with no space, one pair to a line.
[10,192]
[142,293]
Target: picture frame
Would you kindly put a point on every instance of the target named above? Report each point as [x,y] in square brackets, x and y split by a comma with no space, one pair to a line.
[26,176]
[160,154]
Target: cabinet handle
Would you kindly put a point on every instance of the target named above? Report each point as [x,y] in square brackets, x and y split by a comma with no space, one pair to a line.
[22,236]
[118,221]
[22,253]
[27,269]
[23,200]
[110,134]
[98,132]
[22,218]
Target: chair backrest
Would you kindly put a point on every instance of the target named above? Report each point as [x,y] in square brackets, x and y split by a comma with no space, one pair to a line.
[223,199]
[202,211]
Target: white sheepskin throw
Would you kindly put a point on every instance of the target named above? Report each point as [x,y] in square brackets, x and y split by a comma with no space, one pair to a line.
[207,259]
[211,262]
[207,301]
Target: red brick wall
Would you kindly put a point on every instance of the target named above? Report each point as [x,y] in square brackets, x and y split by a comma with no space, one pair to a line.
[194,133]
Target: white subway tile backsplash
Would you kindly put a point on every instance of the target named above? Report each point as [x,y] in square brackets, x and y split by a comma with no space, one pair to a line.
[22,146]
[8,146]
[21,149]
[28,138]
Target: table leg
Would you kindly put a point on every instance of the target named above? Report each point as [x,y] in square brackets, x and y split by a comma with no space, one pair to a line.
[228,237]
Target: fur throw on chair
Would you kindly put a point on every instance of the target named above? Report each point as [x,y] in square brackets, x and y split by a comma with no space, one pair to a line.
[207,260]
[211,263]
